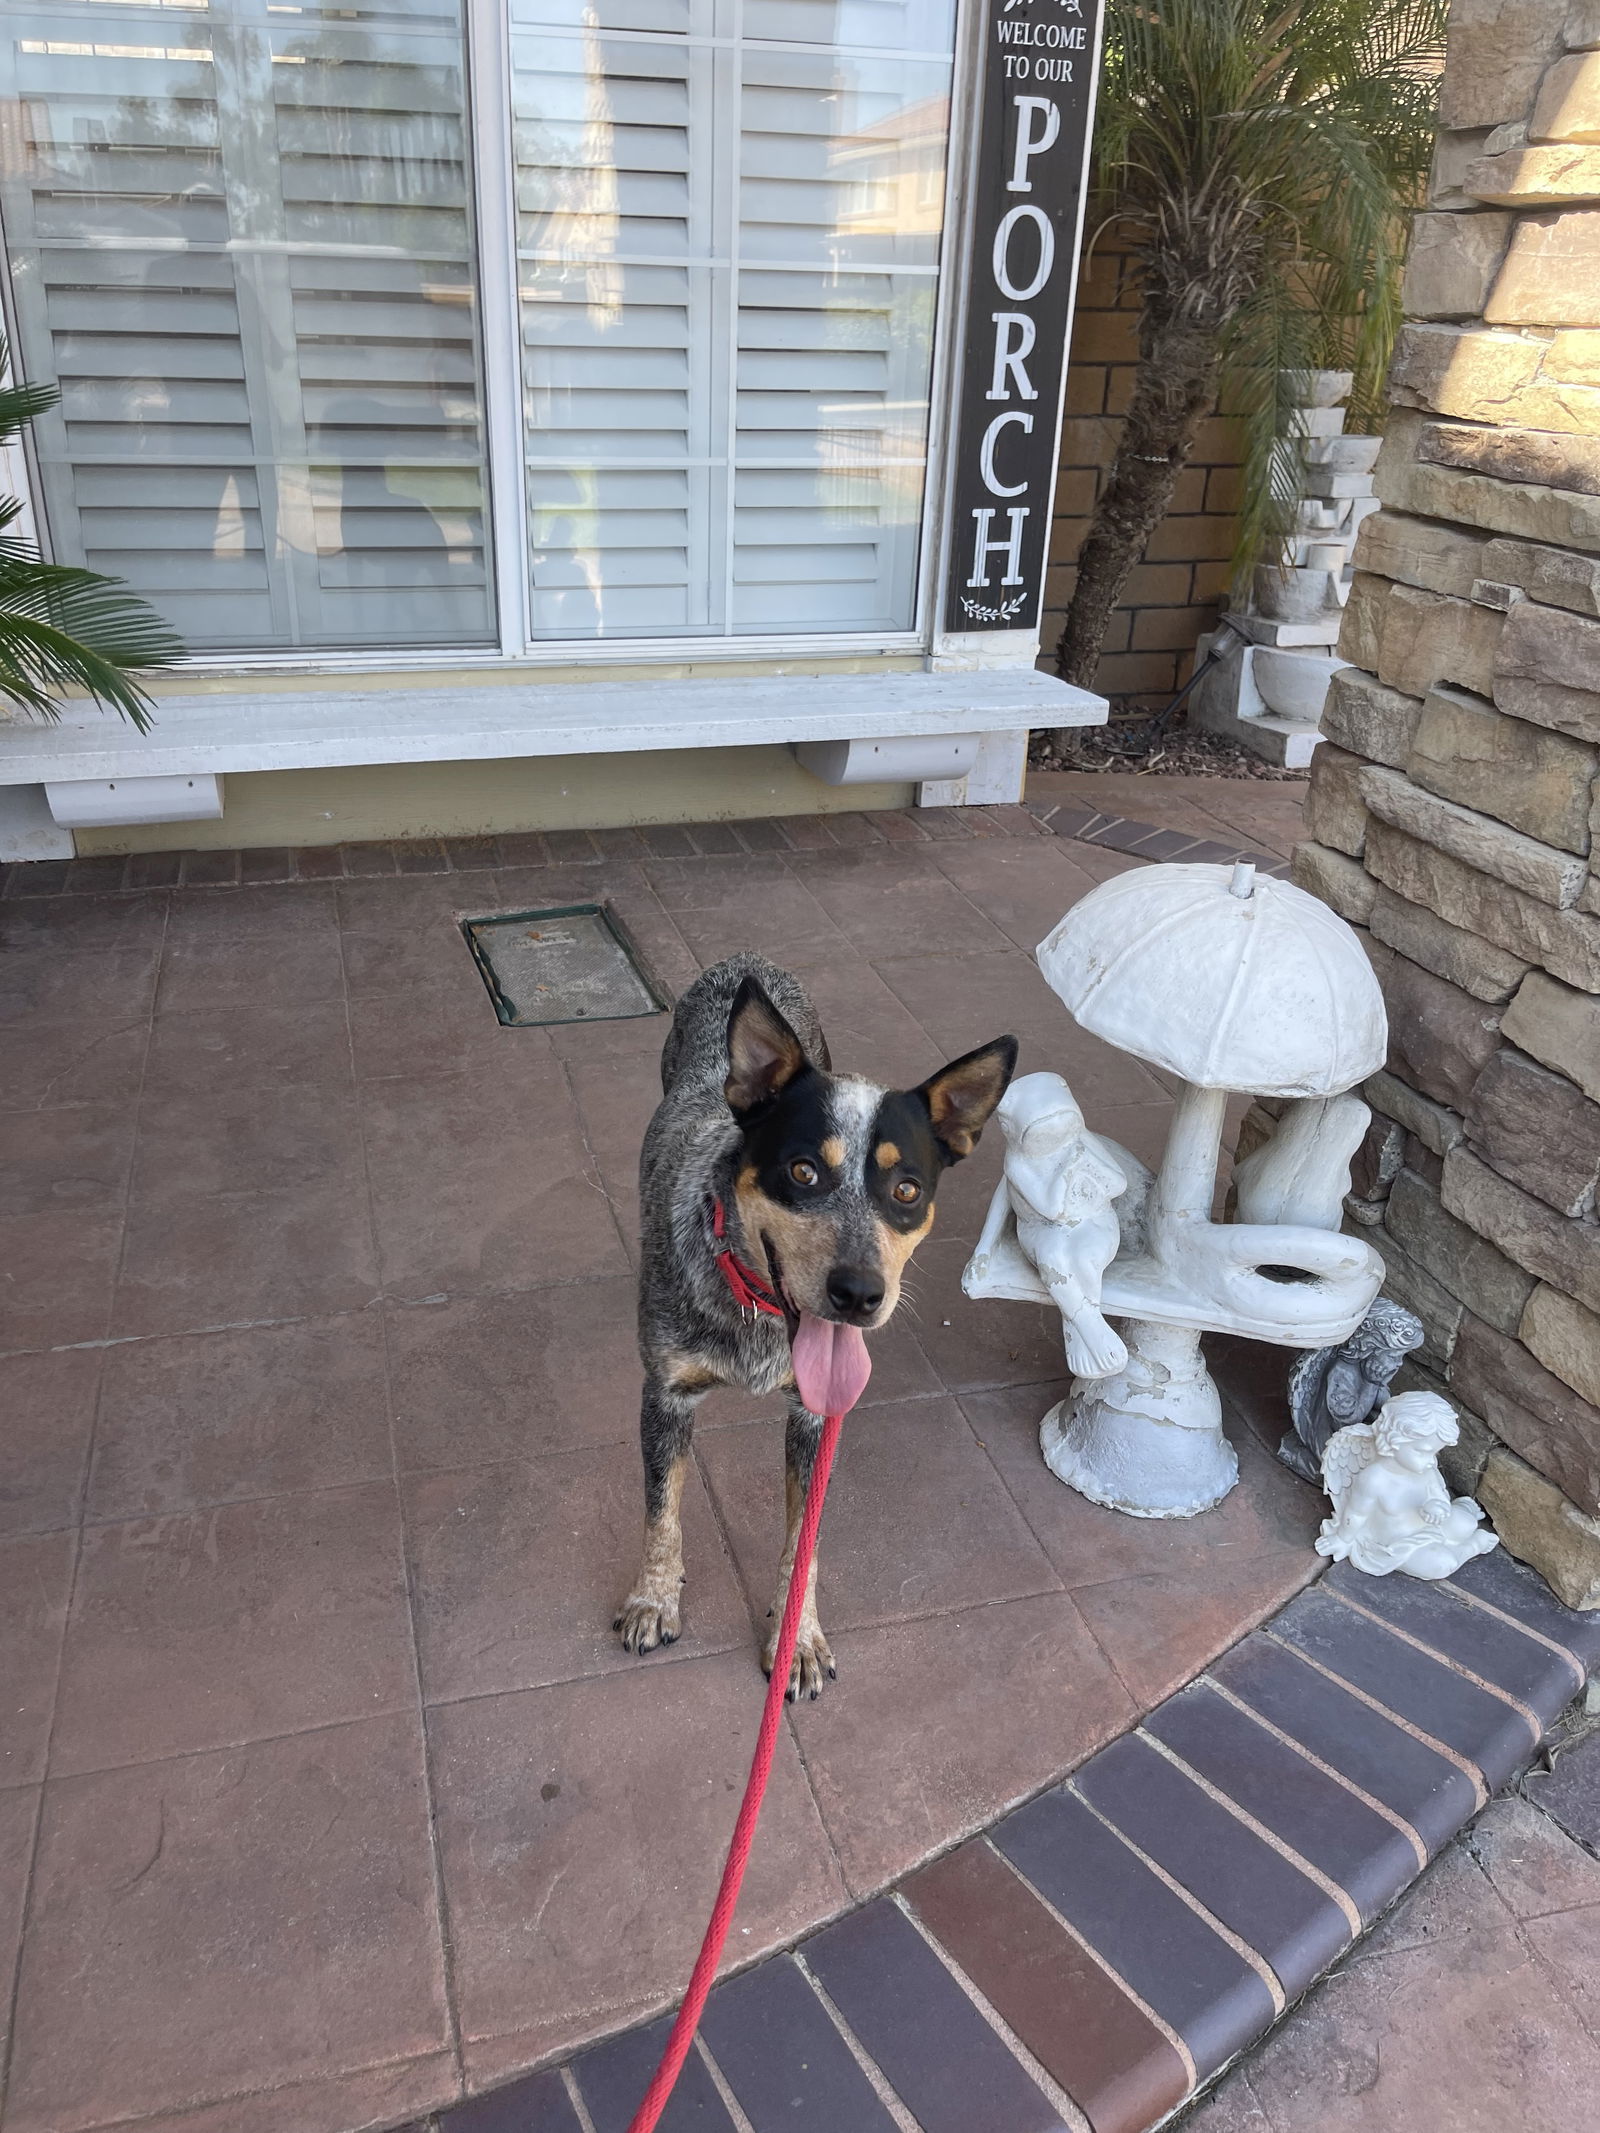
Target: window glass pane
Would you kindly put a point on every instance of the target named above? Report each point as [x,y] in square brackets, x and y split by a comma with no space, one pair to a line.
[241,243]
[729,214]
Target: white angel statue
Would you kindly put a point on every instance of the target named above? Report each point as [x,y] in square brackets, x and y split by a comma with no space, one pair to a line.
[1058,1184]
[1391,1509]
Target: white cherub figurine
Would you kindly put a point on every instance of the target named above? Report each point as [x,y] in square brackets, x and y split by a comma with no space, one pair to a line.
[1391,1509]
[1059,1185]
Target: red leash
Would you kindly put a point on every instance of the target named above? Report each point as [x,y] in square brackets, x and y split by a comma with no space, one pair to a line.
[751,1294]
[744,1830]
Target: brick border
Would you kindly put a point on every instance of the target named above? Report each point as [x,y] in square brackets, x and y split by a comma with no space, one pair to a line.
[1144,840]
[1102,1953]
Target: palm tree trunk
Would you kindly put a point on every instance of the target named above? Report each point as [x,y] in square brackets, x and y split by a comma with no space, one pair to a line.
[1174,388]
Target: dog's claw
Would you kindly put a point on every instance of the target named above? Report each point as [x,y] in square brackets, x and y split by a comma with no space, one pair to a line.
[812,1664]
[648,1619]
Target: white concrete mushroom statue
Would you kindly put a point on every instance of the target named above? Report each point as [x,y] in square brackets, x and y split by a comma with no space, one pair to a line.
[1230,983]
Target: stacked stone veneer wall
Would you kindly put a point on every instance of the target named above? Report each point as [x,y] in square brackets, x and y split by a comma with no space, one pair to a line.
[1454,806]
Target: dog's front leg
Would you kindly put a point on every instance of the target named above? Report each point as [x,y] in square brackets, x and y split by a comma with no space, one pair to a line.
[812,1658]
[650,1615]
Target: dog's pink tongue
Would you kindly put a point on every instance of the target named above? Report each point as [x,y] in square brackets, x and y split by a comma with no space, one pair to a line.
[831,1365]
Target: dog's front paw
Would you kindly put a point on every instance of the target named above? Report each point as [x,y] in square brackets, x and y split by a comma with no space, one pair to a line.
[648,1617]
[812,1663]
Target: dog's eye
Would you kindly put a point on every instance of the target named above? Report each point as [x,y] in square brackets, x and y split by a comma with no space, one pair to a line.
[803,1172]
[908,1192]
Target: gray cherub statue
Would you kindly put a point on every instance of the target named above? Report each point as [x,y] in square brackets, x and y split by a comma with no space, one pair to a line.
[1058,1184]
[1391,1509]
[1334,1388]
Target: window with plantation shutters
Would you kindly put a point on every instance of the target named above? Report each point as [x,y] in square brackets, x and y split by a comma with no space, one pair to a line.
[240,240]
[728,226]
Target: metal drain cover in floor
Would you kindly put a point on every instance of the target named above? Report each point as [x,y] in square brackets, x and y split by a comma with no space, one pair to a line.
[571,965]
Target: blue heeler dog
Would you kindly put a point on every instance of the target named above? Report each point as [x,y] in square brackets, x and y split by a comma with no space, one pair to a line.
[764,1171]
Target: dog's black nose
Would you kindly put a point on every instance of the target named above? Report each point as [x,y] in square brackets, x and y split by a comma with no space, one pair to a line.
[854,1292]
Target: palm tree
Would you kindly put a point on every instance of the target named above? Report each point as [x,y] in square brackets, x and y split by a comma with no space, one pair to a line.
[65,630]
[1266,155]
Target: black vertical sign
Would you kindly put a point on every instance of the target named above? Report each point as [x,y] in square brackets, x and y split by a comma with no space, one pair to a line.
[1035,101]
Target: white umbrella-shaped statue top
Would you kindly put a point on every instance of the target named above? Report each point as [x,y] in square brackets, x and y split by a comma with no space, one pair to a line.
[1232,982]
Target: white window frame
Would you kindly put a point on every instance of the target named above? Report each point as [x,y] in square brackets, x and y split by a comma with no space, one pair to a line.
[489,129]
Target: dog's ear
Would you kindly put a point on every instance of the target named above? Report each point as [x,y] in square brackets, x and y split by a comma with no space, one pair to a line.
[961,1097]
[764,1054]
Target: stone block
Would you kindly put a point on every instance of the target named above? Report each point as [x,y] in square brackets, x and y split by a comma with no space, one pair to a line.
[1493,1287]
[1567,107]
[1566,1339]
[1494,848]
[1547,669]
[1453,156]
[1461,1463]
[1435,1125]
[1535,177]
[1453,261]
[1496,56]
[1341,882]
[1524,510]
[1553,575]
[1428,637]
[1462,371]
[1416,551]
[1440,1038]
[1538,1130]
[1378,1161]
[1551,272]
[1583,25]
[1530,1409]
[1564,942]
[1511,454]
[1423,1163]
[1415,1288]
[1460,958]
[1364,718]
[1335,813]
[1573,357]
[1565,1254]
[1539,1527]
[1525,775]
[1361,625]
[1559,1027]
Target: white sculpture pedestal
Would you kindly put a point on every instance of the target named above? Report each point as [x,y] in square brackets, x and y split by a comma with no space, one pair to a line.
[1228,983]
[1149,1440]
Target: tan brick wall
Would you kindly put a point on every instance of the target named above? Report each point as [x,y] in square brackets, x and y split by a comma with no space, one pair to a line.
[1177,590]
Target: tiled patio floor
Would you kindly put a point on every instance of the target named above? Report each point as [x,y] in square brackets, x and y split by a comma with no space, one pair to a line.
[325,1792]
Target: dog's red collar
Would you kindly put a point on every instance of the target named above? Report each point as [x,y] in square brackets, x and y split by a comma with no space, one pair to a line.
[747,1288]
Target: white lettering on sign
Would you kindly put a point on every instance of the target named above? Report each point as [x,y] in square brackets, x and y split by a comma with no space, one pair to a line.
[1053,34]
[1002,246]
[991,437]
[1029,143]
[1009,360]
[1010,547]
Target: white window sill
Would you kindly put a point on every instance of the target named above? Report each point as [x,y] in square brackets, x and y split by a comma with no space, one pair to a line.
[322,727]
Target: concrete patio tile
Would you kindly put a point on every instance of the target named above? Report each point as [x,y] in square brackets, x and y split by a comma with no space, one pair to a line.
[1565,1945]
[935,1726]
[52,1065]
[48,983]
[60,1272]
[208,970]
[204,1053]
[517,1574]
[615,1099]
[19,1808]
[1003,1344]
[428,955]
[1532,1866]
[902,905]
[422,1032]
[583,1829]
[263,913]
[213,1418]
[477,1187]
[486,1378]
[918,1522]
[1571,1792]
[1465,2031]
[85,925]
[1024,886]
[777,917]
[47,1408]
[35,1584]
[233,1624]
[869,1030]
[234,1258]
[374,2096]
[284,1139]
[224,1922]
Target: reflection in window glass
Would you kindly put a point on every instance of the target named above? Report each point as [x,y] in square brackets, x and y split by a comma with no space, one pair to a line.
[241,243]
[729,215]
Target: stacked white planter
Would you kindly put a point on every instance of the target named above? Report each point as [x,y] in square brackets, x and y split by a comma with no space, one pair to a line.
[1266,692]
